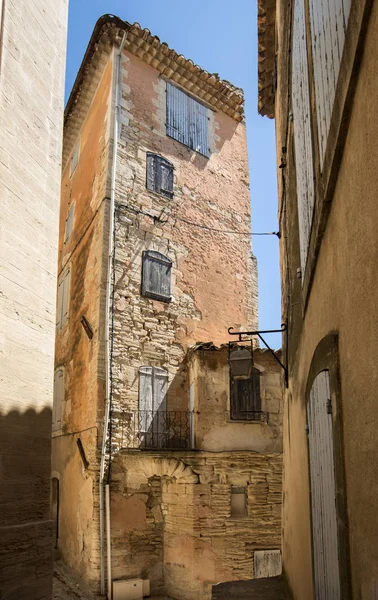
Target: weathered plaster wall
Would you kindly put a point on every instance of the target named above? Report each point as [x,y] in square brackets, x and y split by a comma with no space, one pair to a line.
[213,283]
[342,300]
[33,42]
[178,508]
[209,373]
[83,358]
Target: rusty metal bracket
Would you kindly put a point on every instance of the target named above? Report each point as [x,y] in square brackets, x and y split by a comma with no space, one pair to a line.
[240,334]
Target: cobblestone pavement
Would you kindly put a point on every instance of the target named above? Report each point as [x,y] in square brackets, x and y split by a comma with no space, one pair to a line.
[272,588]
[67,586]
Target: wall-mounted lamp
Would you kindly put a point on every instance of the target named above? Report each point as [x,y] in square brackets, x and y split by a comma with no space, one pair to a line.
[241,363]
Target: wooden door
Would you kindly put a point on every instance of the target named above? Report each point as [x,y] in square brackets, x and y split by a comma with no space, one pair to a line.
[323,491]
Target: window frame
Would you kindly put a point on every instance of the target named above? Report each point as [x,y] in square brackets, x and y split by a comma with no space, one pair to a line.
[75,156]
[70,215]
[155,257]
[159,162]
[170,129]
[62,309]
[256,414]
[237,490]
[57,412]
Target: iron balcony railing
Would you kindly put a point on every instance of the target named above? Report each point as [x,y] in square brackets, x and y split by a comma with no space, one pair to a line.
[169,430]
[154,430]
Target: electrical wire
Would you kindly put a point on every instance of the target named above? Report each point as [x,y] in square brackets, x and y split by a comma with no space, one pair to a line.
[137,211]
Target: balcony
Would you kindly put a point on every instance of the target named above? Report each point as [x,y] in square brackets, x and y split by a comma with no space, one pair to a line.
[156,430]
[174,429]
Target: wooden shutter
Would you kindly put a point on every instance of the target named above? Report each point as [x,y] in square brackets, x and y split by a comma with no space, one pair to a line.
[304,162]
[329,22]
[153,386]
[58,399]
[156,276]
[323,491]
[159,176]
[187,120]
[245,398]
[75,158]
[65,297]
[69,223]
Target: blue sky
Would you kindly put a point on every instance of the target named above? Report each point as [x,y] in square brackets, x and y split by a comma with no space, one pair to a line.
[221,37]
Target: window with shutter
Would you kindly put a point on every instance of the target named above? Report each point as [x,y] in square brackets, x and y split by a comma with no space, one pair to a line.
[75,158]
[156,276]
[159,176]
[69,223]
[245,398]
[187,120]
[153,386]
[63,300]
[58,399]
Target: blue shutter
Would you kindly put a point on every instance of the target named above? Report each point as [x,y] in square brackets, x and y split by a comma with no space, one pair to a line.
[187,120]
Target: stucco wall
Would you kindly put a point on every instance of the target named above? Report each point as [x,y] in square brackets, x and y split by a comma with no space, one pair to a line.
[342,299]
[32,54]
[209,373]
[82,357]
[178,507]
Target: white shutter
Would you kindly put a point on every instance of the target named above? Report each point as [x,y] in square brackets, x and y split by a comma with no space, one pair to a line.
[65,299]
[58,399]
[58,318]
[329,20]
[75,158]
[69,223]
[304,162]
[323,491]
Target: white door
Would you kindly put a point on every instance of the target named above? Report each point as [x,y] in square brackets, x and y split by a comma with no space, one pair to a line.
[323,492]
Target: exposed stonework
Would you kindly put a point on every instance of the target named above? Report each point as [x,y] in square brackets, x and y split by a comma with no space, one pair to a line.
[156,514]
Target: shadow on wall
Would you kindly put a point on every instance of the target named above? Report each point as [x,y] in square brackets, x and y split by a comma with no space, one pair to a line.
[26,562]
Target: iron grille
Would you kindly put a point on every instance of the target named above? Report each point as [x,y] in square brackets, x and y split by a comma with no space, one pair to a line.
[156,430]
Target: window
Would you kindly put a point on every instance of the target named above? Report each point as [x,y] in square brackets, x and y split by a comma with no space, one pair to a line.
[245,398]
[153,386]
[159,175]
[238,501]
[69,223]
[63,300]
[75,158]
[156,276]
[58,399]
[187,120]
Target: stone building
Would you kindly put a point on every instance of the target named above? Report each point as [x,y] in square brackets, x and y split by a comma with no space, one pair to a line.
[161,469]
[317,77]
[32,63]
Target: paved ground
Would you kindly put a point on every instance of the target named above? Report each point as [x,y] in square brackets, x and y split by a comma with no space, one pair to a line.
[68,586]
[272,588]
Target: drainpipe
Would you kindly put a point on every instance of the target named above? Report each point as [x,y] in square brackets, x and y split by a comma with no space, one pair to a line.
[102,486]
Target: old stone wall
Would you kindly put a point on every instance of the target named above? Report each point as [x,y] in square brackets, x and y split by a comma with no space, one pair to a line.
[213,282]
[32,54]
[178,507]
[214,430]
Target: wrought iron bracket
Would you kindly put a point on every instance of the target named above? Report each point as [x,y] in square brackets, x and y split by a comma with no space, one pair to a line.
[240,334]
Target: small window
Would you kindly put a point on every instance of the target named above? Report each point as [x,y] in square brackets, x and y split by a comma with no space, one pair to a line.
[69,224]
[75,158]
[238,501]
[187,120]
[156,276]
[63,300]
[246,398]
[58,399]
[159,175]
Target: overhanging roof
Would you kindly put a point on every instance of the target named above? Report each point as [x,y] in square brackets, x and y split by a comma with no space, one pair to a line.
[109,29]
[266,56]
